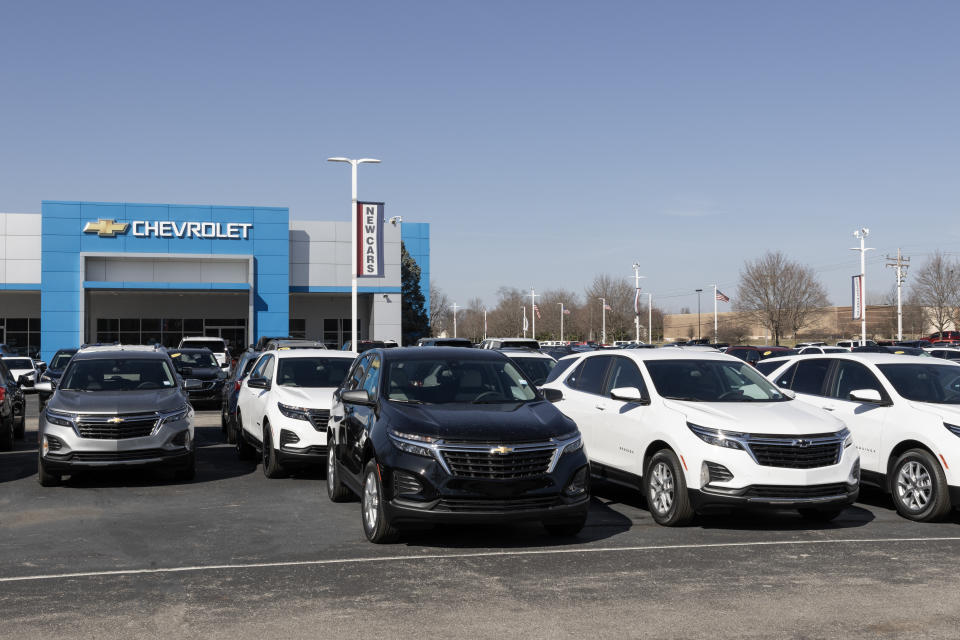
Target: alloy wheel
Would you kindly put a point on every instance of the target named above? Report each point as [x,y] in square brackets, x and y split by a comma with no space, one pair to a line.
[371,502]
[661,488]
[914,486]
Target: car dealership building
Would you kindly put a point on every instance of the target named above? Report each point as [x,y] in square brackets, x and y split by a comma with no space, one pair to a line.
[83,272]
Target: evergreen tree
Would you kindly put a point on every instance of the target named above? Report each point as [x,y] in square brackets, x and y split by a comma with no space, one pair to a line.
[414,323]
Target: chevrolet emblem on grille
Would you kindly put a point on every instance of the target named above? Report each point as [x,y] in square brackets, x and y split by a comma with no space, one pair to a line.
[115,420]
[502,450]
[106,228]
[801,443]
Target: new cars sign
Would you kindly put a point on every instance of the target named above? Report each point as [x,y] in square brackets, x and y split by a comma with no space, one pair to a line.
[369,239]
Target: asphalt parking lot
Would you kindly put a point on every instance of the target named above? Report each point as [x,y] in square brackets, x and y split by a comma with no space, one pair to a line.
[235,555]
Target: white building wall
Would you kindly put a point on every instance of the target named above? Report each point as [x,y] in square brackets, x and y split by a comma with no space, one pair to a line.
[20,248]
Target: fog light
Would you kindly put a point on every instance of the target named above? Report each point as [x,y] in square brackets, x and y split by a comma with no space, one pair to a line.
[406,484]
[578,483]
[713,472]
[46,446]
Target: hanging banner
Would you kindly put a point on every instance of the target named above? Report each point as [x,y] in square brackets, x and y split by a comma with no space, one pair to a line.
[369,239]
[857,297]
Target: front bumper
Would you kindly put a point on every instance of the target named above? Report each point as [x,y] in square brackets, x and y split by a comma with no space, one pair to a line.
[447,510]
[207,394]
[825,496]
[145,458]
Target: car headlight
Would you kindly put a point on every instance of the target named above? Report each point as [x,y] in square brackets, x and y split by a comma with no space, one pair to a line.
[718,437]
[408,442]
[952,428]
[59,419]
[570,443]
[847,438]
[294,413]
[176,416]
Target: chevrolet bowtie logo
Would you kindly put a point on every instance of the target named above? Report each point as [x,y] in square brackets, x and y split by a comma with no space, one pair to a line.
[501,450]
[106,228]
[115,420]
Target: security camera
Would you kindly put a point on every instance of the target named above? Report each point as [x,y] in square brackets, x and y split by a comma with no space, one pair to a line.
[395,220]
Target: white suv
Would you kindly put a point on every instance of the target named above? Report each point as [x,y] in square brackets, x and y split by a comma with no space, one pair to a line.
[904,412]
[217,346]
[284,405]
[695,430]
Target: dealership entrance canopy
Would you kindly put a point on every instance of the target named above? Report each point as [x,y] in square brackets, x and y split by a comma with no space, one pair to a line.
[83,272]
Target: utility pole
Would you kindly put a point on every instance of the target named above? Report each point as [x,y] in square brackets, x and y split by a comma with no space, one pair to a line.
[716,339]
[533,314]
[636,298]
[699,291]
[650,318]
[455,307]
[901,264]
[603,325]
[484,323]
[862,234]
[561,321]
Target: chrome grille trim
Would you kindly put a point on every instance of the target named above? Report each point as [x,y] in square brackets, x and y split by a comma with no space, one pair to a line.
[796,451]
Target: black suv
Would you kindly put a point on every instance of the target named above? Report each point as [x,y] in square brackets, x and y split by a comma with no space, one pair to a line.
[202,365]
[117,407]
[12,409]
[452,435]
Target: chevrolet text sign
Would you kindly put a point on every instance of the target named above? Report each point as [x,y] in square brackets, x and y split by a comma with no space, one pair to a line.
[171,229]
[370,239]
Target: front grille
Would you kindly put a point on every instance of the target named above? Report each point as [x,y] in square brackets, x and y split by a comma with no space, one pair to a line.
[789,491]
[719,473]
[480,462]
[405,484]
[466,505]
[120,456]
[797,452]
[101,427]
[319,418]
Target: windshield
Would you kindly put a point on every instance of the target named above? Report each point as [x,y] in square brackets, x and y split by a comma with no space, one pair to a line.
[60,360]
[536,369]
[18,363]
[939,384]
[199,359]
[312,372]
[217,346]
[711,381]
[451,380]
[117,374]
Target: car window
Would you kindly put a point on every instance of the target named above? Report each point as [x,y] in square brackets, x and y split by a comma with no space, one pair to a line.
[809,376]
[589,375]
[784,379]
[557,371]
[311,371]
[193,359]
[371,380]
[535,369]
[766,368]
[260,371]
[453,380]
[357,374]
[938,384]
[117,374]
[851,376]
[624,373]
[711,381]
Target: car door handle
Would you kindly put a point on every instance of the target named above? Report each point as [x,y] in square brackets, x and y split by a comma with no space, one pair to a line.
[828,408]
[601,407]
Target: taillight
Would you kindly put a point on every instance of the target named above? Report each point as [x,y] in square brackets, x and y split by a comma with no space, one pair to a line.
[237,385]
[3,394]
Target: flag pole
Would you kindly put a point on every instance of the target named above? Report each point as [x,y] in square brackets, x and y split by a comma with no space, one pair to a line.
[716,338]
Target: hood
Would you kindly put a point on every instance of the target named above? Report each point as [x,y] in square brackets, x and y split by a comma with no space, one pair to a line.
[782,418]
[117,401]
[202,373]
[307,397]
[944,412]
[501,423]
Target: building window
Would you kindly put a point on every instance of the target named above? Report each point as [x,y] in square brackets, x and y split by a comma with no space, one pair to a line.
[298,328]
[336,332]
[21,335]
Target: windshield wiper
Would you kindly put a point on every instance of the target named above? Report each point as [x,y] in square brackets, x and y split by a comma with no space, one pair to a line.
[407,401]
[686,398]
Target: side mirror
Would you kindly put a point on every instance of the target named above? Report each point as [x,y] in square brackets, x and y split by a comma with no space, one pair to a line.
[25,380]
[357,396]
[192,384]
[225,365]
[45,387]
[629,394]
[866,395]
[552,395]
[258,383]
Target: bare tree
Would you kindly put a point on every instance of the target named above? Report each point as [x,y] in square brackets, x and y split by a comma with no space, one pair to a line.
[936,288]
[439,310]
[780,294]
[619,295]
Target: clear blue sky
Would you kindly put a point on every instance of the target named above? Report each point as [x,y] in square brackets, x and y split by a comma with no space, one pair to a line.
[544,141]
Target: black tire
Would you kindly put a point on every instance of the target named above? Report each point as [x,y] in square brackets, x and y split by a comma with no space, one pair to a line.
[187,472]
[231,431]
[244,450]
[666,490]
[566,528]
[373,516]
[919,487]
[336,491]
[44,478]
[7,430]
[20,428]
[820,515]
[223,420]
[271,461]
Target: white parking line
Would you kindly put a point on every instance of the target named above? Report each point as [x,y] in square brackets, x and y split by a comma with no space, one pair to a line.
[478,554]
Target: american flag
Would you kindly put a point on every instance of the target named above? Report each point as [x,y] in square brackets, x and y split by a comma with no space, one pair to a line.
[566,312]
[608,307]
[721,297]
[636,302]
[536,310]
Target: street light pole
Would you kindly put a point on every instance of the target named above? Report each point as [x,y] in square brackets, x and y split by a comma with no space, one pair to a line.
[699,291]
[561,321]
[862,234]
[636,298]
[455,307]
[533,314]
[353,162]
[603,323]
[650,318]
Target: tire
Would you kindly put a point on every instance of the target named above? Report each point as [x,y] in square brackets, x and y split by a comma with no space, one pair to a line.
[187,472]
[20,428]
[244,450]
[566,528]
[666,490]
[919,487]
[820,515]
[46,479]
[335,489]
[7,430]
[223,420]
[231,431]
[271,462]
[376,522]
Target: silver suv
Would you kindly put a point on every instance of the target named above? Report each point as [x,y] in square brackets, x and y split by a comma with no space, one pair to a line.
[117,406]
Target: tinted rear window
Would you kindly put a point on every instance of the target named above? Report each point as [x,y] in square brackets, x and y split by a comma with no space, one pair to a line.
[558,370]
[214,345]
